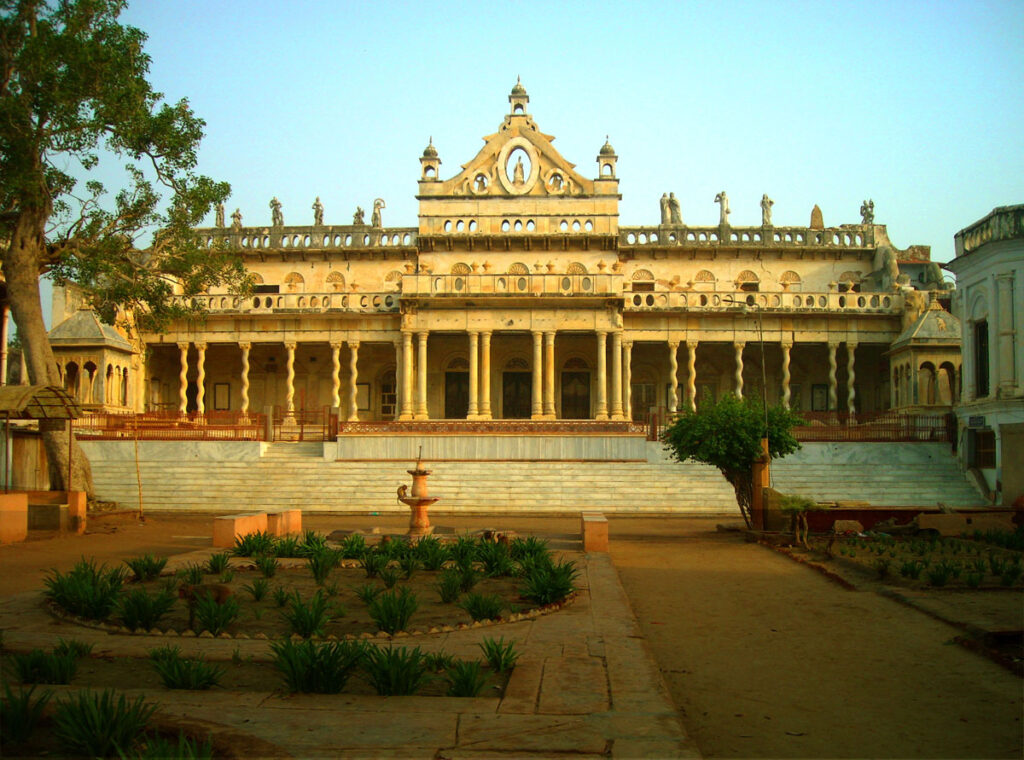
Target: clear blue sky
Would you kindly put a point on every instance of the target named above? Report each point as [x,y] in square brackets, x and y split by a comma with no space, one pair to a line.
[917,105]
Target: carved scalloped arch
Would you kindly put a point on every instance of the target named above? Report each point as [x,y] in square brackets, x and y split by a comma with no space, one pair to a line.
[393,276]
[461,268]
[518,268]
[789,276]
[337,281]
[643,274]
[704,276]
[850,276]
[576,268]
[257,279]
[747,276]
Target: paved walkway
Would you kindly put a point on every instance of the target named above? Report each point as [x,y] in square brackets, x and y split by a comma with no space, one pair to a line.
[585,686]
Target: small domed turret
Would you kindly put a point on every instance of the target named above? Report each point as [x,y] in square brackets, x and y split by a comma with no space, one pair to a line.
[430,151]
[518,89]
[429,163]
[518,99]
[607,149]
[606,160]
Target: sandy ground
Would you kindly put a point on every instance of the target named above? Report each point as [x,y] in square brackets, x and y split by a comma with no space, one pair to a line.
[763,657]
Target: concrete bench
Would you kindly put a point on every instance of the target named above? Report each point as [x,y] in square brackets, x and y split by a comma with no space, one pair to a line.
[227,528]
[284,522]
[594,527]
[13,517]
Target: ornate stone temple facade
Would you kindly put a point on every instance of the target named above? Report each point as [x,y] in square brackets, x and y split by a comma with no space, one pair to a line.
[519,296]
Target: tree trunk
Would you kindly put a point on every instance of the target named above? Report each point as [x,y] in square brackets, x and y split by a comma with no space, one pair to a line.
[743,485]
[21,263]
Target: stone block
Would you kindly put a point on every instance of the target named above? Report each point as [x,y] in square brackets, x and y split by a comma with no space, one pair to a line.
[47,516]
[955,524]
[594,527]
[284,522]
[227,528]
[13,517]
[847,526]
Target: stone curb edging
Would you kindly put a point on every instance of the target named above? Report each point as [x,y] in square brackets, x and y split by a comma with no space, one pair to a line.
[834,577]
[56,611]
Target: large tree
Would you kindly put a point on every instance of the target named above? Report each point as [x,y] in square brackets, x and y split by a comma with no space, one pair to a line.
[74,95]
[727,435]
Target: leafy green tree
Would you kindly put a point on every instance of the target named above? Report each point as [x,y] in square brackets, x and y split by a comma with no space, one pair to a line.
[727,435]
[73,92]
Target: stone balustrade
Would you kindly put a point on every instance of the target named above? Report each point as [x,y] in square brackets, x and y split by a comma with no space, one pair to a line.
[434,285]
[310,238]
[877,303]
[853,236]
[270,303]
[1002,223]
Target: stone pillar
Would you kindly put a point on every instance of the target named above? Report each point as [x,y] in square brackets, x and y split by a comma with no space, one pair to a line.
[200,378]
[336,375]
[617,375]
[421,365]
[627,380]
[833,401]
[851,375]
[407,408]
[537,408]
[549,375]
[1007,370]
[289,392]
[5,325]
[673,372]
[602,375]
[399,372]
[737,346]
[245,376]
[474,376]
[182,378]
[786,348]
[691,375]
[353,378]
[485,375]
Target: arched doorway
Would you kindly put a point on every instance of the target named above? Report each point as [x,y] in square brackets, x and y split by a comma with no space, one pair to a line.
[516,390]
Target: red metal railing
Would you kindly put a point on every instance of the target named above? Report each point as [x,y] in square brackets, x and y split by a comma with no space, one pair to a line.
[304,424]
[836,426]
[173,426]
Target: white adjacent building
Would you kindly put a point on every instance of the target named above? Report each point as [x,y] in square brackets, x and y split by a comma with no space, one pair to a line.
[989,303]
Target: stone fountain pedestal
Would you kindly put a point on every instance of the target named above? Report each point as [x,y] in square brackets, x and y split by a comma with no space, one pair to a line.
[418,500]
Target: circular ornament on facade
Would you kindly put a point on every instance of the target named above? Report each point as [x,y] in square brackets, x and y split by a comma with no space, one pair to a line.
[508,172]
[555,182]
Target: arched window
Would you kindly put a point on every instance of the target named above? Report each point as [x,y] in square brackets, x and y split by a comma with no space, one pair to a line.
[849,281]
[643,281]
[926,384]
[747,281]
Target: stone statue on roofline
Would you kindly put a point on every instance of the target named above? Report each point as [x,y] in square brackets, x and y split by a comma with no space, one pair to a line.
[276,217]
[723,211]
[664,208]
[357,218]
[375,217]
[675,214]
[867,212]
[318,213]
[236,220]
[219,215]
[766,210]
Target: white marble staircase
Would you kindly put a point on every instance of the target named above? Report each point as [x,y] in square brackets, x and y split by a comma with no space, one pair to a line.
[297,475]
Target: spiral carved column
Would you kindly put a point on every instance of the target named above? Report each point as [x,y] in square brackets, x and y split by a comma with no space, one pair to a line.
[738,373]
[336,375]
[182,379]
[353,374]
[691,376]
[289,398]
[833,400]
[851,348]
[786,347]
[245,376]
[201,378]
[673,369]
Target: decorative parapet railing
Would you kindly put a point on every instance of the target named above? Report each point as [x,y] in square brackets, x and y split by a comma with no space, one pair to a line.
[280,303]
[866,303]
[310,238]
[173,426]
[496,427]
[1003,223]
[851,236]
[424,285]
